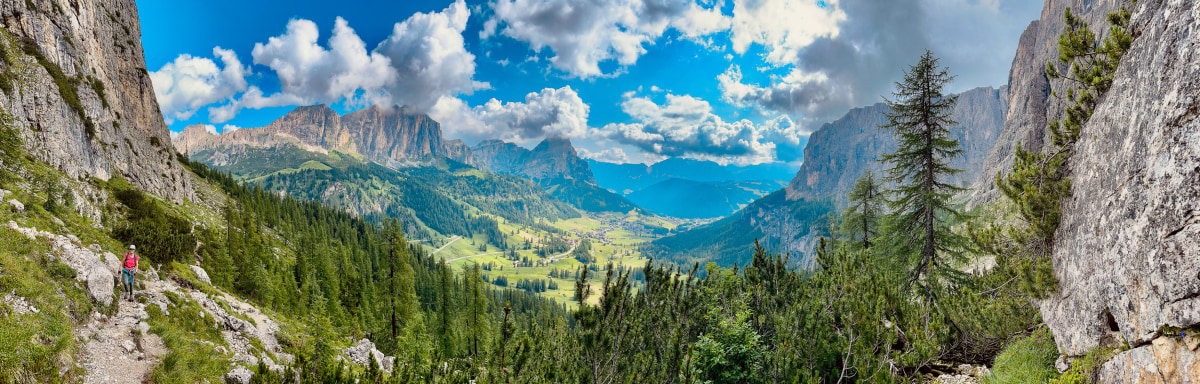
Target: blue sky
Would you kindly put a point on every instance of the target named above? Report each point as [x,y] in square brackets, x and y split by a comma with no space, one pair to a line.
[735,81]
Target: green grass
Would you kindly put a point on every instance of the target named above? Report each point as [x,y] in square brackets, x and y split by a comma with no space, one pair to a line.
[1028,359]
[34,346]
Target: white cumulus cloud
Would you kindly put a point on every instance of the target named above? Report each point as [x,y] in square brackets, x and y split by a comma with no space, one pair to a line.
[799,93]
[430,58]
[422,61]
[582,33]
[610,155]
[190,83]
[685,126]
[549,112]
[783,27]
[312,73]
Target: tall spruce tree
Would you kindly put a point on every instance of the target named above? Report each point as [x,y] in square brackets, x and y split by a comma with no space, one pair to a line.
[919,116]
[860,222]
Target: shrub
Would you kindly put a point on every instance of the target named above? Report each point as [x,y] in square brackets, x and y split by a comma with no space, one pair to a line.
[1086,369]
[159,235]
[1026,360]
[62,271]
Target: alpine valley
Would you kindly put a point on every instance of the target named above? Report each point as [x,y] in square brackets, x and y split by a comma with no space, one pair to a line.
[1043,230]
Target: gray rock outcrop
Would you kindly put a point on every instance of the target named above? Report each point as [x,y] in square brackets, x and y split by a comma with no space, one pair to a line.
[111,126]
[362,354]
[239,375]
[1126,253]
[200,274]
[1164,361]
[89,266]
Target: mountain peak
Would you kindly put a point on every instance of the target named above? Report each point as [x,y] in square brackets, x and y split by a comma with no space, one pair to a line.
[556,144]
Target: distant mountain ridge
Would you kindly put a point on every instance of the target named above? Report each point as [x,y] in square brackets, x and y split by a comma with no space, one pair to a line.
[553,158]
[398,137]
[555,165]
[388,135]
[627,178]
[691,199]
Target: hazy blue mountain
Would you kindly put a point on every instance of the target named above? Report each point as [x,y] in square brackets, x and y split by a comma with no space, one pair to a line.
[627,178]
[554,165]
[692,199]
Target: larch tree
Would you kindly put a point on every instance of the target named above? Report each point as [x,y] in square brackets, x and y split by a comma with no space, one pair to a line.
[920,117]
[860,222]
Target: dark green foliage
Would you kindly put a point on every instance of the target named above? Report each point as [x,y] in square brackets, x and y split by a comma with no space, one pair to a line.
[161,236]
[725,241]
[1026,360]
[58,198]
[552,247]
[919,116]
[587,196]
[60,270]
[349,274]
[583,252]
[98,87]
[7,77]
[861,219]
[12,150]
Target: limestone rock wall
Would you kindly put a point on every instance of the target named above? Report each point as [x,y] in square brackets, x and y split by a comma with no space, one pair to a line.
[1127,255]
[96,45]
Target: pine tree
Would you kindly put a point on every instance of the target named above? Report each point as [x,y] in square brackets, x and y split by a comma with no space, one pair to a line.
[860,222]
[919,116]
[445,312]
[477,305]
[401,279]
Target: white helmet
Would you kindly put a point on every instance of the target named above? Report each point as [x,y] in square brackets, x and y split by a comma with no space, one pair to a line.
[131,247]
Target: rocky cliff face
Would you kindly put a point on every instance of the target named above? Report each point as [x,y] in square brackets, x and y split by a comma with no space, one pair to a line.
[1127,255]
[78,90]
[551,159]
[842,151]
[1030,104]
[392,136]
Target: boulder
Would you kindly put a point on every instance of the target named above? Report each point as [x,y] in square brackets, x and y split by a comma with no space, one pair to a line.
[239,375]
[100,284]
[200,274]
[365,350]
[16,205]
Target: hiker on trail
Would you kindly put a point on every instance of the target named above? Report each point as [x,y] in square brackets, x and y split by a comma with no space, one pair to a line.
[129,269]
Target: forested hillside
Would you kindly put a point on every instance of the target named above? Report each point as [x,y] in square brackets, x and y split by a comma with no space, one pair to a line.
[445,198]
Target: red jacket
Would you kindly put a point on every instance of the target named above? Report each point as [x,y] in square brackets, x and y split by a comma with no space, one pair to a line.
[131,260]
